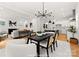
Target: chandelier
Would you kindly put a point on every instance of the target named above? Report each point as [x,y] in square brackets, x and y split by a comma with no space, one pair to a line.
[43,13]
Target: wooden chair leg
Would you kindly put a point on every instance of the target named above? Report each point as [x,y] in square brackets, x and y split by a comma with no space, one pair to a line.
[51,49]
[54,46]
[47,53]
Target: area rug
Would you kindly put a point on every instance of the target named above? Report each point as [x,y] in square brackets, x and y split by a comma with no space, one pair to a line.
[63,50]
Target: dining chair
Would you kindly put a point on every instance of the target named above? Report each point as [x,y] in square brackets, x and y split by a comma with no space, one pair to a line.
[55,38]
[47,44]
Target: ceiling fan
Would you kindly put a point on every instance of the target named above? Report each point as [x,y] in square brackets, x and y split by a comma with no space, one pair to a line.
[43,13]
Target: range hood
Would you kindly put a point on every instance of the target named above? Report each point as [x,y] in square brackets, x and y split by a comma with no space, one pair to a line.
[73,18]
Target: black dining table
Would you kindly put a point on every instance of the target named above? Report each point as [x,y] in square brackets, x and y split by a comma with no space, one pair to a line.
[39,39]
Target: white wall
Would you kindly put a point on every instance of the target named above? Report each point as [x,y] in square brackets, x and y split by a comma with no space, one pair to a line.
[26,11]
[38,23]
[8,14]
[3,28]
[77,17]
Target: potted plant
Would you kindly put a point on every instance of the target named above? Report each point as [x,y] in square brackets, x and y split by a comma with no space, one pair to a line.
[72,29]
[39,33]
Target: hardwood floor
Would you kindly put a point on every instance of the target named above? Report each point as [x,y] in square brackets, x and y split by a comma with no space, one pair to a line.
[2,44]
[74,50]
[74,46]
[62,37]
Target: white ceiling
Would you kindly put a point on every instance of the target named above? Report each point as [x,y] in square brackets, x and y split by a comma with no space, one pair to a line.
[28,9]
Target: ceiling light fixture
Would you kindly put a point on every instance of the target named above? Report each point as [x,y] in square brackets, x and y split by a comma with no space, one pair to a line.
[43,13]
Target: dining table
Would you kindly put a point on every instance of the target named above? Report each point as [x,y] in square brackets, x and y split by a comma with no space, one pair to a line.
[38,39]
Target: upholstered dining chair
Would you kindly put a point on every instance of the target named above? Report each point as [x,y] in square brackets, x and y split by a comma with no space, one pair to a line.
[47,44]
[55,38]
